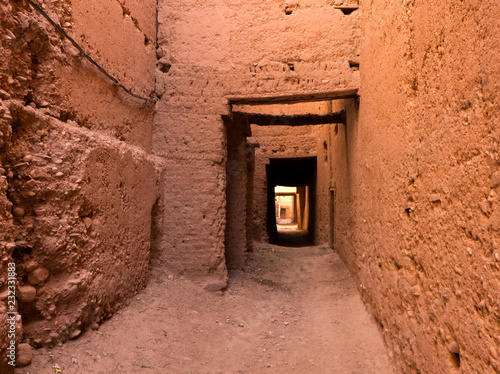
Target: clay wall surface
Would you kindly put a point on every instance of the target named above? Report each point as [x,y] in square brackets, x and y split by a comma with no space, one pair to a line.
[78,183]
[93,180]
[418,183]
[92,177]
[213,49]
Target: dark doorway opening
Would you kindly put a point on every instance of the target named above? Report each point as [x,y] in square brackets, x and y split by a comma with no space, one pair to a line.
[291,201]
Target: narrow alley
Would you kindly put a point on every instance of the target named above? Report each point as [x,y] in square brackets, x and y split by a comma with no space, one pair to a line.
[294,310]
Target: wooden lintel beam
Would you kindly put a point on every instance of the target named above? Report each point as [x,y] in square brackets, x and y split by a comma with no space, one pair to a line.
[295,98]
[293,120]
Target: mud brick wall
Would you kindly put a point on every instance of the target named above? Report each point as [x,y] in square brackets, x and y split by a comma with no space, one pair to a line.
[78,183]
[213,49]
[419,197]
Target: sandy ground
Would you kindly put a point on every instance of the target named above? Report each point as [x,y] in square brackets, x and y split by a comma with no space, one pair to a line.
[294,310]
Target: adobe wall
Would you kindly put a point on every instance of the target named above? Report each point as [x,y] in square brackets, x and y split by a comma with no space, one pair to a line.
[213,49]
[419,182]
[239,188]
[78,182]
[94,177]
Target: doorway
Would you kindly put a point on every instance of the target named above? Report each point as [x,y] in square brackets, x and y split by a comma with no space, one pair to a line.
[259,170]
[291,184]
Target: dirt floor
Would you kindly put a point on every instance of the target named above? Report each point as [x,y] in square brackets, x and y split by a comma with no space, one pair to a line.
[294,310]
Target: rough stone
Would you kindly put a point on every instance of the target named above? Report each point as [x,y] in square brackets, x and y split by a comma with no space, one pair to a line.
[494,352]
[4,95]
[495,180]
[27,293]
[415,290]
[88,222]
[31,265]
[28,158]
[51,310]
[215,286]
[38,275]
[24,355]
[434,198]
[453,347]
[19,211]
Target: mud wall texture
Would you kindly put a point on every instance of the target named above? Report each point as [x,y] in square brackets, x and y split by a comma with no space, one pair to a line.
[213,49]
[239,190]
[419,197]
[78,183]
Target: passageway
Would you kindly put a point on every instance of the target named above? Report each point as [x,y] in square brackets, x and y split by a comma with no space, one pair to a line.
[294,310]
[298,173]
[282,141]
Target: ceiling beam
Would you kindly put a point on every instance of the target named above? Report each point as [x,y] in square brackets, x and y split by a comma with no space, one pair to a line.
[294,98]
[292,120]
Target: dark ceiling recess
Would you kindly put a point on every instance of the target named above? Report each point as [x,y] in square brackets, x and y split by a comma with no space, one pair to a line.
[294,120]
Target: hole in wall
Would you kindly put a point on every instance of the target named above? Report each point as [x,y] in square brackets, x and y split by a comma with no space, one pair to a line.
[22,248]
[354,65]
[29,313]
[455,360]
[397,267]
[347,9]
[65,115]
[28,98]
[290,8]
[409,207]
[164,67]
